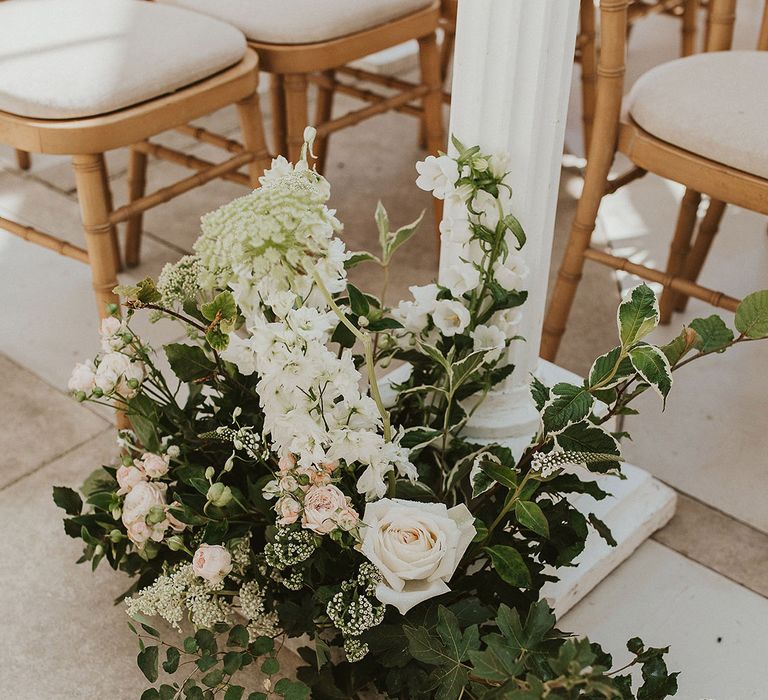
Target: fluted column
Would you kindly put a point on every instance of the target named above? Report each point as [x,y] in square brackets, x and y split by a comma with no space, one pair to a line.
[511,80]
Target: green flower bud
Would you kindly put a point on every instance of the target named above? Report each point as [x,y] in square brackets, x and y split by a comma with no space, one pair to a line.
[116,513]
[363,322]
[156,515]
[97,392]
[219,494]
[133,383]
[126,460]
[209,473]
[115,536]
[480,164]
[80,396]
[98,550]
[175,543]
[112,309]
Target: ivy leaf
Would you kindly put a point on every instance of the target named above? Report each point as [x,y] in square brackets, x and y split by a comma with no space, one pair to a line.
[569,404]
[238,636]
[653,366]
[292,690]
[143,292]
[213,678]
[424,646]
[188,362]
[418,437]
[509,565]
[638,315]
[457,643]
[68,499]
[752,315]
[497,662]
[147,662]
[221,308]
[530,515]
[171,662]
[234,692]
[712,333]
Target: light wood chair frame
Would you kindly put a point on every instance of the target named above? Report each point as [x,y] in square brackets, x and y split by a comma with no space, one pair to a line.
[649,154]
[87,139]
[294,66]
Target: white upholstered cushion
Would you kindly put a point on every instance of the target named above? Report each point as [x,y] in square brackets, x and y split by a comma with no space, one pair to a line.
[302,21]
[712,104]
[75,58]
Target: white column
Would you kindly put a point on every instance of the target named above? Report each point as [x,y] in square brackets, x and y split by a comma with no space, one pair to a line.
[511,80]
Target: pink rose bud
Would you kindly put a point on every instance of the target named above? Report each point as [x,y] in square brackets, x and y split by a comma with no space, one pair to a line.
[212,562]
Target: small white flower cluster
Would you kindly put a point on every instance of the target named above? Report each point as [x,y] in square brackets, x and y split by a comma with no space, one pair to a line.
[290,547]
[545,465]
[180,591]
[354,610]
[305,492]
[180,281]
[114,371]
[145,512]
[263,245]
[252,607]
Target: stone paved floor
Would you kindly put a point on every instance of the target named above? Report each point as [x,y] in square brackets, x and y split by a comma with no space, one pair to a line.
[701,585]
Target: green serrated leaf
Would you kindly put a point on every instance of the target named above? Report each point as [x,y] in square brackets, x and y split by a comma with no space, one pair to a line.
[712,333]
[676,349]
[358,304]
[638,315]
[607,371]
[221,308]
[508,563]
[189,362]
[752,315]
[653,366]
[530,515]
[68,499]
[568,404]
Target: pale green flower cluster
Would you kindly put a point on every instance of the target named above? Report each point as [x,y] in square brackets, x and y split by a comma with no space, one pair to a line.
[180,591]
[180,281]
[263,245]
[252,606]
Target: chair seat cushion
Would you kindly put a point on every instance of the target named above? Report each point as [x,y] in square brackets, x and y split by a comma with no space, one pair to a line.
[302,21]
[713,104]
[62,59]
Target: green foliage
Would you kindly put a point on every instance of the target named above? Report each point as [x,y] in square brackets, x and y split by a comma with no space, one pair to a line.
[638,315]
[189,362]
[653,366]
[752,315]
[568,404]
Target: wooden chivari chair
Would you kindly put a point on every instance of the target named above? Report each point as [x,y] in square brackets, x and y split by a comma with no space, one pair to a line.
[699,121]
[302,41]
[83,77]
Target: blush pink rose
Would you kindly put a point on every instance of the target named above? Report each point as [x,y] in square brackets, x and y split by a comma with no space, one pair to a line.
[321,506]
[288,508]
[212,562]
[128,477]
[155,465]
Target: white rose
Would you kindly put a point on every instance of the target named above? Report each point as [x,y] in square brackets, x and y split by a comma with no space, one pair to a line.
[109,330]
[511,272]
[83,377]
[461,278]
[141,498]
[212,562]
[155,465]
[416,547]
[437,175]
[491,340]
[450,317]
[321,506]
[288,508]
[128,477]
[139,532]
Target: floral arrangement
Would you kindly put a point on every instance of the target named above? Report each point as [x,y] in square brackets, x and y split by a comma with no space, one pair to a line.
[271,493]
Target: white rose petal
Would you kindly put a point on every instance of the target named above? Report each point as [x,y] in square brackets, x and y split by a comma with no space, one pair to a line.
[83,377]
[416,547]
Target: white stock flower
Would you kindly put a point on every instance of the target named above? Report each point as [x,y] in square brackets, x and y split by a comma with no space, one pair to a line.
[437,174]
[212,562]
[83,377]
[450,317]
[491,340]
[416,547]
[239,352]
[460,278]
[512,272]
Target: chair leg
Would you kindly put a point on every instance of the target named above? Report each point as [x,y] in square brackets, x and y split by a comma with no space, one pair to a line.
[690,8]
[252,128]
[296,114]
[23,160]
[679,249]
[277,102]
[703,242]
[446,53]
[94,210]
[323,110]
[137,181]
[588,70]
